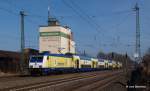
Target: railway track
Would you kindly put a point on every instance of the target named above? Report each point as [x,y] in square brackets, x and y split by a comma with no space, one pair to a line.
[45,79]
[18,77]
[25,81]
[86,84]
[98,85]
[6,82]
[67,84]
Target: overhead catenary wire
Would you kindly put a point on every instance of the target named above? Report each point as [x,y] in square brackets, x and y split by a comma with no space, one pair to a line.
[81,15]
[97,26]
[78,13]
[89,19]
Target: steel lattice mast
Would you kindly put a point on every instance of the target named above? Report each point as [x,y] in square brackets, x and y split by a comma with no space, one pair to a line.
[137,49]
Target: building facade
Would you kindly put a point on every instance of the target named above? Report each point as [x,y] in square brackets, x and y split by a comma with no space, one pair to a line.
[55,38]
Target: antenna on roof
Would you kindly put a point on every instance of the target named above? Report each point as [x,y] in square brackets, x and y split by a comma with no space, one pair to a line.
[52,21]
[48,12]
[49,15]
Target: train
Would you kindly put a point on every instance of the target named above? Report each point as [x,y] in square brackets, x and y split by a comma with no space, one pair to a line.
[45,64]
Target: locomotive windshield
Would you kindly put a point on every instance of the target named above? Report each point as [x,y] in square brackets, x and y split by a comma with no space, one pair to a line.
[36,59]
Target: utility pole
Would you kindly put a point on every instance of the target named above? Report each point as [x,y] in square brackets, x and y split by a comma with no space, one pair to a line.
[137,54]
[22,61]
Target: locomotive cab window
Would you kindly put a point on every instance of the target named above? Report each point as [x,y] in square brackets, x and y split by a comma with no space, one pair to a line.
[36,59]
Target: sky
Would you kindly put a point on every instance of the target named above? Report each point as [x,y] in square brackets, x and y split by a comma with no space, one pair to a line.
[98,25]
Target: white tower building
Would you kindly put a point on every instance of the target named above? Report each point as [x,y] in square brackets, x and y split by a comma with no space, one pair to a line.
[55,38]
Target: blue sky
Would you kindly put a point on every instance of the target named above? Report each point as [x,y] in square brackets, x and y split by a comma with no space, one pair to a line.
[98,25]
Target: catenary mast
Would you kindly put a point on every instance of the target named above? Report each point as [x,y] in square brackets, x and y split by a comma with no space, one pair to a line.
[137,48]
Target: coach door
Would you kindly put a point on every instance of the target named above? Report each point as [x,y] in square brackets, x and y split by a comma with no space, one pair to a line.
[48,61]
[77,63]
[94,64]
